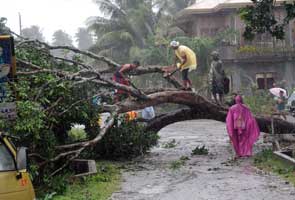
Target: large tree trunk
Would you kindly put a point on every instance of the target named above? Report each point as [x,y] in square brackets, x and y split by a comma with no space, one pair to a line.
[198,108]
[264,122]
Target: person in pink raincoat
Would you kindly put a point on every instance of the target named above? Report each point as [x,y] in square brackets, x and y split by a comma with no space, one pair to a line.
[242,128]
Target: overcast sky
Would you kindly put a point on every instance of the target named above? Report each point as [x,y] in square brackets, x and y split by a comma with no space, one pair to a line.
[49,15]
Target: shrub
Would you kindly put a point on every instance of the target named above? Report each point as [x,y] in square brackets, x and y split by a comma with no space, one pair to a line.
[260,102]
[125,140]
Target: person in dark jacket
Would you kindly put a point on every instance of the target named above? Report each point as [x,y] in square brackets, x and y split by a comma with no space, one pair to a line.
[216,78]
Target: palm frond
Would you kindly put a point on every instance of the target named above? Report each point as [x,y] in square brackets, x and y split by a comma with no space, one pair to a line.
[109,7]
[118,36]
[102,25]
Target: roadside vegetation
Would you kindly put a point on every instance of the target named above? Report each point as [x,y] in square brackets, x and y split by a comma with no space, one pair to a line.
[266,161]
[260,102]
[125,140]
[99,186]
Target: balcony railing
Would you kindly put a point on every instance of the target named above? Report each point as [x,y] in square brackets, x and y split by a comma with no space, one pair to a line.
[256,52]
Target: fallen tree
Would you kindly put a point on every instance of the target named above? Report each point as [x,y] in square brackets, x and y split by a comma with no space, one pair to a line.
[76,73]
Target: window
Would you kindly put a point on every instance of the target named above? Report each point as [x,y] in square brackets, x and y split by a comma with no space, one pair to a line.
[265,80]
[6,159]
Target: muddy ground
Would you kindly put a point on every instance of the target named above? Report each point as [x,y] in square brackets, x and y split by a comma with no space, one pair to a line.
[161,175]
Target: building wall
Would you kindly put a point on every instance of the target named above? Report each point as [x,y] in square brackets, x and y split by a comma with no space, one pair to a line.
[243,67]
[210,25]
[207,25]
[244,74]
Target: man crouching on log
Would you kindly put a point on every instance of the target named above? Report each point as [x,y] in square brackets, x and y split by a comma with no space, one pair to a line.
[188,62]
[120,77]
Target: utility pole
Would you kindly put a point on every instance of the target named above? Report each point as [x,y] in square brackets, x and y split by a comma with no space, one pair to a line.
[20,23]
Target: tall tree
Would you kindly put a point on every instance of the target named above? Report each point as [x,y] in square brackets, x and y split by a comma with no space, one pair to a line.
[261,18]
[125,23]
[34,32]
[165,15]
[128,24]
[84,39]
[60,38]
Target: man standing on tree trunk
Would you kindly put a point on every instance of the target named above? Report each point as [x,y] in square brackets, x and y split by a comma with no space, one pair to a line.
[188,62]
[216,77]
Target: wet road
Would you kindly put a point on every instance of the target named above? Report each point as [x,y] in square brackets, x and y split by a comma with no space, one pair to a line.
[206,177]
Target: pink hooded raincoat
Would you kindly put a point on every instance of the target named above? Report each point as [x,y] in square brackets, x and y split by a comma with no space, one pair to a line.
[242,128]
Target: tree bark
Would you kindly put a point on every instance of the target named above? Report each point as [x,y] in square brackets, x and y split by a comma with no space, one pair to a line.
[198,108]
[206,112]
[187,98]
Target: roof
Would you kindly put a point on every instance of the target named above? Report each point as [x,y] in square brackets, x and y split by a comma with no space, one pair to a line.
[211,6]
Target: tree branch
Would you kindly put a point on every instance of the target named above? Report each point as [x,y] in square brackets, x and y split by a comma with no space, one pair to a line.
[89,54]
[90,142]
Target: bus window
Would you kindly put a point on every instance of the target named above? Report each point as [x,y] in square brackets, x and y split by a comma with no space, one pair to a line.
[6,159]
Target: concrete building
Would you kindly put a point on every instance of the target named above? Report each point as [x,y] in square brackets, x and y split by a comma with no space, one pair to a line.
[260,62]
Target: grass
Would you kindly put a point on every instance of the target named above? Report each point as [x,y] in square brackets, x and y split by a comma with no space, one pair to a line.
[96,187]
[200,150]
[177,164]
[170,144]
[267,161]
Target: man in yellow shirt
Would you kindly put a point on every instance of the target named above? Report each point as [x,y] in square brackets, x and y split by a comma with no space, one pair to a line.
[188,62]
